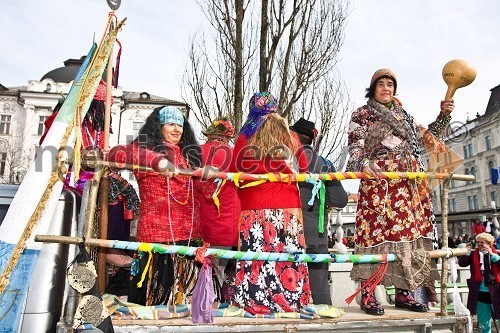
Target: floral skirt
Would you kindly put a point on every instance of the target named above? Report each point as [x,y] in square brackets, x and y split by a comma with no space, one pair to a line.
[393,210]
[272,286]
[395,216]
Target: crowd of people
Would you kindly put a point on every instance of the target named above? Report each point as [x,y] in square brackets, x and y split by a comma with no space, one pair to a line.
[393,216]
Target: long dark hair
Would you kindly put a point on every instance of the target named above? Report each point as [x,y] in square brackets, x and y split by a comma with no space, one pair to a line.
[151,137]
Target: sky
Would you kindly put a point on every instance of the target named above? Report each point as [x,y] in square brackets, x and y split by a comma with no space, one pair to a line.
[413,38]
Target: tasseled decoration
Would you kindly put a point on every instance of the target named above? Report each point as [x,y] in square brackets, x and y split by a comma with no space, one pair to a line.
[145,247]
[373,281]
[319,191]
[116,72]
[215,196]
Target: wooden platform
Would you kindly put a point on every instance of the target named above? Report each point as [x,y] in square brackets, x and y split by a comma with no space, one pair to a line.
[355,320]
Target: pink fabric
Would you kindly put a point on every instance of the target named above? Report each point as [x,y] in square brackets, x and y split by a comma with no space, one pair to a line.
[218,229]
[203,295]
[154,224]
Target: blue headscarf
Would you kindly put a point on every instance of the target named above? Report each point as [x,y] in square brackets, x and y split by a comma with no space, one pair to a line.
[261,104]
[171,115]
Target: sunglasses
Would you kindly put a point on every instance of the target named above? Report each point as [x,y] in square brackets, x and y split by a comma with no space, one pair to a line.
[481,242]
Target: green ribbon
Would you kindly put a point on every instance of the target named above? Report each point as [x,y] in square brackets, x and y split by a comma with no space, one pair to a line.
[321,218]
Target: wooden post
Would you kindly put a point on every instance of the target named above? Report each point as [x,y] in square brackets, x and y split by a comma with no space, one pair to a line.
[104,185]
[445,234]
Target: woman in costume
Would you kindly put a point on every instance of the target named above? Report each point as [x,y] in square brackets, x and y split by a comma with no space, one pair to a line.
[169,212]
[220,213]
[271,216]
[393,216]
[484,283]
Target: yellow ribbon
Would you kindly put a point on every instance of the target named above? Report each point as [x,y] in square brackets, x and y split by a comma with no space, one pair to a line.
[145,247]
[216,194]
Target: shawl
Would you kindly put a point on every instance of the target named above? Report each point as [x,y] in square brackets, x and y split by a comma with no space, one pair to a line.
[261,105]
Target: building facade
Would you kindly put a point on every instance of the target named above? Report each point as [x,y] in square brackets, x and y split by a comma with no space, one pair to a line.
[477,143]
[23,111]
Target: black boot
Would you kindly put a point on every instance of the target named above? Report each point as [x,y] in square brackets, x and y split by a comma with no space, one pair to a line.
[369,303]
[405,300]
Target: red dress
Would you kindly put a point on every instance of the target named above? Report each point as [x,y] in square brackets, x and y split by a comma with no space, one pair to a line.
[157,223]
[218,227]
[271,221]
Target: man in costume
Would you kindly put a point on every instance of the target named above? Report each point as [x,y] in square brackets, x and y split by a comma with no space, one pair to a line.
[315,212]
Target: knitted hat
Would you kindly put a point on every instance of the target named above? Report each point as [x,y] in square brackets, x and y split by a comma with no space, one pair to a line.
[384,72]
[220,127]
[304,127]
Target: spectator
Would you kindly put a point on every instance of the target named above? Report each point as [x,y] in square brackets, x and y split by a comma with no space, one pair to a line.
[484,283]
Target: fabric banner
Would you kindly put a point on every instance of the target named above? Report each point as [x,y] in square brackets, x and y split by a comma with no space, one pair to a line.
[494,176]
[15,227]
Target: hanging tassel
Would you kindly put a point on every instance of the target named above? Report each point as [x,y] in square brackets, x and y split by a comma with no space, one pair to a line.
[116,73]
[373,281]
[215,196]
[321,217]
[145,247]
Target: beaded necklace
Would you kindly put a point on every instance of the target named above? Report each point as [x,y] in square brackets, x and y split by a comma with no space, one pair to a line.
[172,195]
[170,214]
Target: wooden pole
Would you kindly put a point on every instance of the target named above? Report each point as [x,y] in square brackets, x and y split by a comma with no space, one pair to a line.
[113,244]
[104,185]
[445,234]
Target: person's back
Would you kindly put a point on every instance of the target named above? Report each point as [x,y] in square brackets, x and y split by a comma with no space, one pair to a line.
[316,231]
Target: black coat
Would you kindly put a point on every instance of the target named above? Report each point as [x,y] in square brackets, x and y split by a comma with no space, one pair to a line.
[336,196]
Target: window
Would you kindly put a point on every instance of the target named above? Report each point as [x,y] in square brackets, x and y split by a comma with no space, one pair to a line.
[474,173]
[3,162]
[136,126]
[466,152]
[487,140]
[452,206]
[491,165]
[4,124]
[469,148]
[493,196]
[471,202]
[41,124]
[452,183]
[476,202]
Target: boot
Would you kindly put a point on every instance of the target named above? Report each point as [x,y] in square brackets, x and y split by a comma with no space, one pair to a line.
[405,300]
[369,303]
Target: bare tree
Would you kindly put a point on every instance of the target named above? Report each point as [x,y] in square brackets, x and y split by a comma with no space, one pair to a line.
[294,51]
[328,102]
[14,163]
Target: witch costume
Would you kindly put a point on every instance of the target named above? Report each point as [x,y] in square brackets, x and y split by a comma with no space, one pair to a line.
[169,214]
[393,216]
[270,221]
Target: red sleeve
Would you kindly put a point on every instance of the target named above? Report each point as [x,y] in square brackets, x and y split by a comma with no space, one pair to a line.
[237,153]
[134,154]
